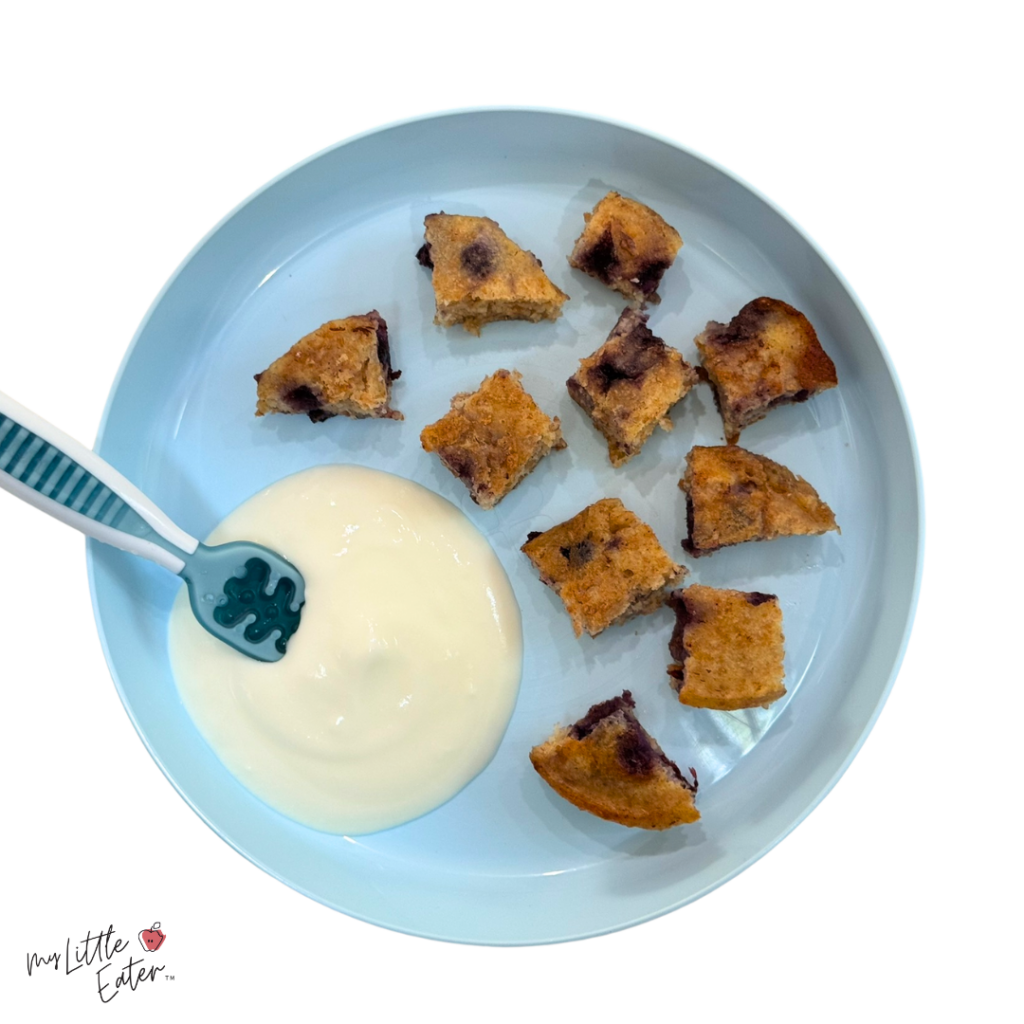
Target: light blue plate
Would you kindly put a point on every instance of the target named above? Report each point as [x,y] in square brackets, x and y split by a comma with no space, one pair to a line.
[507,861]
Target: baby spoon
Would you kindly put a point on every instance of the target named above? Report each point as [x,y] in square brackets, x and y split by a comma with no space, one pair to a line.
[242,593]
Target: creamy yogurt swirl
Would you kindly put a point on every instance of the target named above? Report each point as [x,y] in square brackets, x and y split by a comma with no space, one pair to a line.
[399,684]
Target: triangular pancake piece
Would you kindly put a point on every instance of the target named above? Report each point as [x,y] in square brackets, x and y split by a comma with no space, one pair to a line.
[733,496]
[609,765]
[342,369]
[481,275]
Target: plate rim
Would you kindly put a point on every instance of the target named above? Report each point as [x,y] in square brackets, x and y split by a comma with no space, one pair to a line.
[913,451]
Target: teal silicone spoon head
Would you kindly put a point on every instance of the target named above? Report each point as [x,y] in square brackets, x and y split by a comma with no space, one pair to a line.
[246,595]
[243,593]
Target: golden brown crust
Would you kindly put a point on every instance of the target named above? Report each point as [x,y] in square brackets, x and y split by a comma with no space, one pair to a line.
[768,355]
[342,369]
[605,564]
[733,495]
[480,275]
[616,770]
[729,648]
[626,246]
[628,386]
[493,437]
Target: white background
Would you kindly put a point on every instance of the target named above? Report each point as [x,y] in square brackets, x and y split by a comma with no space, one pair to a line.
[885,130]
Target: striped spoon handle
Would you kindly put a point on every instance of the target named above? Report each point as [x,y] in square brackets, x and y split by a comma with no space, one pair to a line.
[43,466]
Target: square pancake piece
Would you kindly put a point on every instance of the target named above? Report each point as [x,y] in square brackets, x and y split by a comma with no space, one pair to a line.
[767,355]
[480,275]
[626,246]
[493,437]
[733,496]
[728,648]
[342,369]
[605,564]
[628,386]
[609,765]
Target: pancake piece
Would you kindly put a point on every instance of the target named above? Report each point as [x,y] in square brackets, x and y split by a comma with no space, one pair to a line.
[628,386]
[480,275]
[493,438]
[728,648]
[609,765]
[733,496]
[342,369]
[605,564]
[626,246]
[768,355]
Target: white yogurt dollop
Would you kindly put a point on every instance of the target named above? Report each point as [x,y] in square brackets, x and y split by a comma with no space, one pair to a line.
[396,689]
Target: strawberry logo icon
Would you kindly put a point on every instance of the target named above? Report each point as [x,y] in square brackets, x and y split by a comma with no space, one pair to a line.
[152,938]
